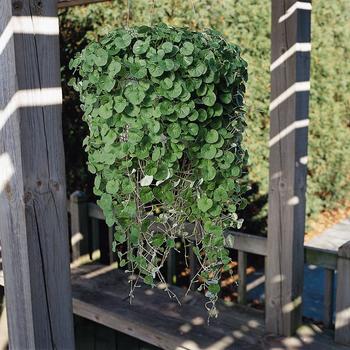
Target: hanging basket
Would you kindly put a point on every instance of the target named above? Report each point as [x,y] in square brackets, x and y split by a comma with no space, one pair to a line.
[165,112]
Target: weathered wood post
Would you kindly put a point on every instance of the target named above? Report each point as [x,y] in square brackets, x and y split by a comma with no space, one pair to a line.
[242,273]
[290,85]
[79,224]
[328,298]
[33,214]
[342,316]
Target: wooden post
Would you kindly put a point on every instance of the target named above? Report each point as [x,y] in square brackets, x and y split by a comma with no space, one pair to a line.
[242,274]
[328,298]
[105,242]
[342,316]
[33,214]
[171,267]
[290,85]
[79,224]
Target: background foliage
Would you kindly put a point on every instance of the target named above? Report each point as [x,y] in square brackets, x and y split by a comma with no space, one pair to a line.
[246,23]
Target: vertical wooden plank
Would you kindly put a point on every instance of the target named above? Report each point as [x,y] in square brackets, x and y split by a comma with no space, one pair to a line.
[33,214]
[79,224]
[0,259]
[106,239]
[3,327]
[105,338]
[242,274]
[85,334]
[328,298]
[290,85]
[95,235]
[342,309]
[127,342]
[171,267]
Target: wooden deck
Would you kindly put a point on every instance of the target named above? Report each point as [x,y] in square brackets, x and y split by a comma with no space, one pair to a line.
[100,294]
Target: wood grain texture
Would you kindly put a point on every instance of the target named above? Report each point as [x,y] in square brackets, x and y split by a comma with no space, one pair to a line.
[328,298]
[33,214]
[242,273]
[287,169]
[101,295]
[246,242]
[342,309]
[153,317]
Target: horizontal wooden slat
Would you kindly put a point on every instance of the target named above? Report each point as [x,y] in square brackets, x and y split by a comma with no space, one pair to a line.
[100,294]
[246,243]
[254,244]
[69,3]
[321,257]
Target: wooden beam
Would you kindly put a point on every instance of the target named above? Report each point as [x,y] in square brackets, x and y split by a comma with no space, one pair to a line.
[33,214]
[290,84]
[342,316]
[245,242]
[70,3]
[324,258]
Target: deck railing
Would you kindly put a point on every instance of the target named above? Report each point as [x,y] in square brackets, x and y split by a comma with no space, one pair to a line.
[88,234]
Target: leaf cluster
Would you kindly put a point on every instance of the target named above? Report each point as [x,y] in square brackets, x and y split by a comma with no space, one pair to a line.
[164,107]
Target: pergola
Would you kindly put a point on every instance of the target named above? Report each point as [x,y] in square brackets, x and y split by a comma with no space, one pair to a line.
[33,206]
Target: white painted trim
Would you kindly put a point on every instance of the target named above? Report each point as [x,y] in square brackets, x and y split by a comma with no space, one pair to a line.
[283,133]
[296,6]
[28,25]
[296,87]
[30,98]
[297,47]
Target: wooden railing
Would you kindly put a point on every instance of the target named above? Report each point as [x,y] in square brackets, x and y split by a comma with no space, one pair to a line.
[87,235]
[90,234]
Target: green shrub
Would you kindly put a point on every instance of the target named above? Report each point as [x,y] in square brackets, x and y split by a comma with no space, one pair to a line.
[246,22]
[164,107]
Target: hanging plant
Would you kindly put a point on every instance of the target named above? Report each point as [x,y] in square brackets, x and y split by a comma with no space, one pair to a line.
[165,112]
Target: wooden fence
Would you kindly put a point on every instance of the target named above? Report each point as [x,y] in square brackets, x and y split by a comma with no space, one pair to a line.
[89,233]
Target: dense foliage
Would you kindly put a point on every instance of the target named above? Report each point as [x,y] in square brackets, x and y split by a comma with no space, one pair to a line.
[164,107]
[246,22]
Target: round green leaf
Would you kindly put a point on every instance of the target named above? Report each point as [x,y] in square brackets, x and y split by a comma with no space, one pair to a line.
[208,151]
[167,47]
[212,136]
[174,130]
[112,186]
[220,195]
[209,99]
[119,104]
[204,203]
[134,94]
[101,57]
[187,48]
[193,129]
[140,47]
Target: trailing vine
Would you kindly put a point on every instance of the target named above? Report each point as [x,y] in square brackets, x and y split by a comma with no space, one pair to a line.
[165,112]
